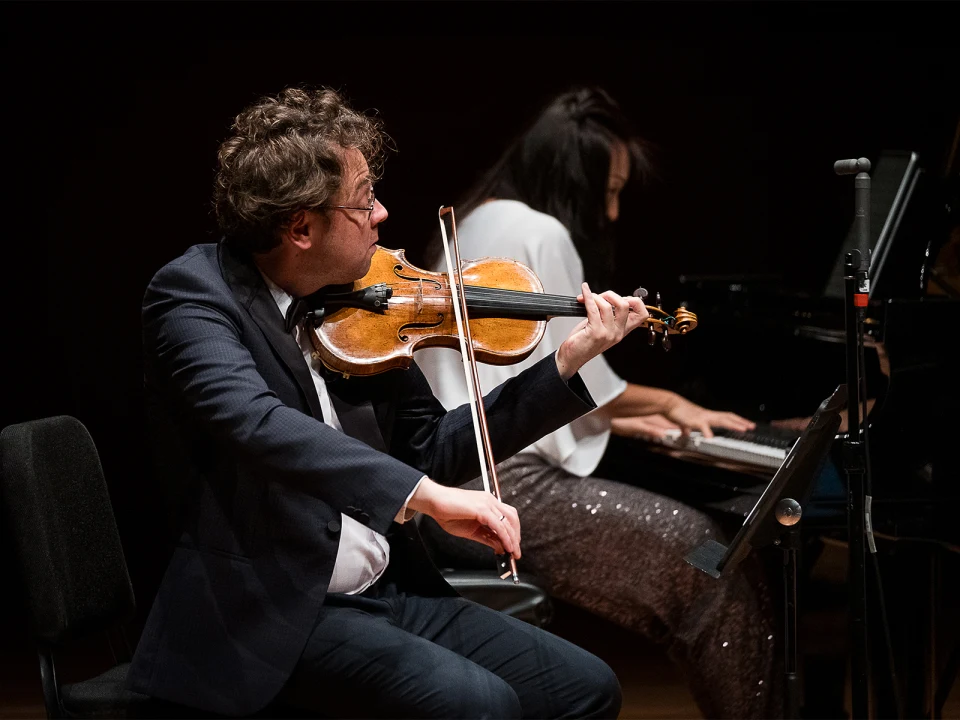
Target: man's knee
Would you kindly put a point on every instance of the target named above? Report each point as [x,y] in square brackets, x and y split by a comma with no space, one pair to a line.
[601,694]
[609,694]
[483,695]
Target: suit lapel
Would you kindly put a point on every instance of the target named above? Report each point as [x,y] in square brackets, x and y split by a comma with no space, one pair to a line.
[251,292]
[354,411]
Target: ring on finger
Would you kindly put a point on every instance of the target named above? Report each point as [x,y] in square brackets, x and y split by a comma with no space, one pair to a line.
[502,517]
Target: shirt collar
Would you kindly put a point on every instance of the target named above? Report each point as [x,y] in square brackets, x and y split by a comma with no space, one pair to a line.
[281,297]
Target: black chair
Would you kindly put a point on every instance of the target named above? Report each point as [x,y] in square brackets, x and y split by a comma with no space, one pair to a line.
[59,518]
[524,600]
[471,570]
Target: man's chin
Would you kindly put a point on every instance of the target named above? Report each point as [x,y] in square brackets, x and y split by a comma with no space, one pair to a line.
[362,268]
[366,266]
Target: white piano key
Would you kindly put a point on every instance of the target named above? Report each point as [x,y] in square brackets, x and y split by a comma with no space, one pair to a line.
[728,448]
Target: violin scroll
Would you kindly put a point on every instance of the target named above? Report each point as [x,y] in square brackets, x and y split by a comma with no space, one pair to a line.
[660,322]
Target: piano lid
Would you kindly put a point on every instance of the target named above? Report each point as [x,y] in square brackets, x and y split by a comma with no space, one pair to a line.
[908,225]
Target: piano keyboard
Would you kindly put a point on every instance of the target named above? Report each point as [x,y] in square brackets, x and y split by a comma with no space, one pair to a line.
[765,446]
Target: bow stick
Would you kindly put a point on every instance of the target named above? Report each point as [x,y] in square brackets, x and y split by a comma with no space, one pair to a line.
[477,411]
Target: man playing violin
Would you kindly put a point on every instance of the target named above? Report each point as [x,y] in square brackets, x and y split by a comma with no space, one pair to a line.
[298,580]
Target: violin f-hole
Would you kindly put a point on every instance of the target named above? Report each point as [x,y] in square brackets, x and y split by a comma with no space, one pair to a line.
[398,268]
[418,325]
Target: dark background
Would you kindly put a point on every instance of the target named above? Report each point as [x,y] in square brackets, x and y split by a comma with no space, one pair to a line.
[112,115]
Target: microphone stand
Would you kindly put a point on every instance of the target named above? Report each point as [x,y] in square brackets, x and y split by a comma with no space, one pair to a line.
[855,461]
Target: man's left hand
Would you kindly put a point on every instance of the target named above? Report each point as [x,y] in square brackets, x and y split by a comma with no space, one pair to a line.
[610,317]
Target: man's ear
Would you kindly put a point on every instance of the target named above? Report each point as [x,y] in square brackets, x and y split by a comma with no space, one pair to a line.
[298,230]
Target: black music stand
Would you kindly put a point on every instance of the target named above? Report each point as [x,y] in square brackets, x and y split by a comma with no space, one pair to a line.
[774,520]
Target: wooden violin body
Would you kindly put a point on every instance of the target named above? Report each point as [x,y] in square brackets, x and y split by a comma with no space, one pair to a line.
[397,308]
[419,313]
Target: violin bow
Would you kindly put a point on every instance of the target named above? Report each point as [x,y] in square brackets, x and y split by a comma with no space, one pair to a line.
[478,412]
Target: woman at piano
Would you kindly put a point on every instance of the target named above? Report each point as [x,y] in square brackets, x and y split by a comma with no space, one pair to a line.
[605,544]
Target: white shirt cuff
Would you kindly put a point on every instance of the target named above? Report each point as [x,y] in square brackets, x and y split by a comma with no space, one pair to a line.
[404,513]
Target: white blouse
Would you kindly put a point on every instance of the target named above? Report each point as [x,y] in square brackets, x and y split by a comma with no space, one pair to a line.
[508,228]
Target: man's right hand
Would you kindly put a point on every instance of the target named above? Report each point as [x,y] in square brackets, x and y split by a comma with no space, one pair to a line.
[472,514]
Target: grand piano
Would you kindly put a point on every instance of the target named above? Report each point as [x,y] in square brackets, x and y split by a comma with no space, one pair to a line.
[790,355]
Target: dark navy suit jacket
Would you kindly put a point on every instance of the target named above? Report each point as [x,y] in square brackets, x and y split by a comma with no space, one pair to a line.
[260,481]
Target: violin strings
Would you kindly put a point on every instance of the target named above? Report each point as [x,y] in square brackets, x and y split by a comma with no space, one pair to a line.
[517,300]
[526,303]
[526,299]
[487,298]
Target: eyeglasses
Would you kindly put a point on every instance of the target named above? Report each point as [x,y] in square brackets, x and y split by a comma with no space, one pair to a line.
[368,208]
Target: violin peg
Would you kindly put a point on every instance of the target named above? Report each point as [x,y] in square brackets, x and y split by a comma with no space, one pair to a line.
[640,292]
[658,303]
[651,336]
[666,342]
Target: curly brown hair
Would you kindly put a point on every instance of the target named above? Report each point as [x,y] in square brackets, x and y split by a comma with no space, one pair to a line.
[285,155]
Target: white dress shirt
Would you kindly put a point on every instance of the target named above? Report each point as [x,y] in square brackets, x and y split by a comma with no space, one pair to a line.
[363,554]
[508,228]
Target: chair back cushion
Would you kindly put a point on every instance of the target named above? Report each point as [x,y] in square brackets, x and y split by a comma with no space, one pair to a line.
[58,514]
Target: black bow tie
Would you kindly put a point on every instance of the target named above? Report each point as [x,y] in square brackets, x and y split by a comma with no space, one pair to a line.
[311,308]
[295,314]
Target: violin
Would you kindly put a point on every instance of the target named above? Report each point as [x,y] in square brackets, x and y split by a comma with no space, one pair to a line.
[377,323]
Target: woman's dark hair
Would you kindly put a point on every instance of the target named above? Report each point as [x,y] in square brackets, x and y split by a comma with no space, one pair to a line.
[285,155]
[560,166]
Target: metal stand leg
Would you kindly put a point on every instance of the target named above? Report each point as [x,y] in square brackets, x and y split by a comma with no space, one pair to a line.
[790,544]
[788,512]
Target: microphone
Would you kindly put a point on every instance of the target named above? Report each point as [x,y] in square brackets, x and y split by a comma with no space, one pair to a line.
[849,167]
[861,252]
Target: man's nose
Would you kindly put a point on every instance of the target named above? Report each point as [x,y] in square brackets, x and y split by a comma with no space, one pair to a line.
[378,214]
